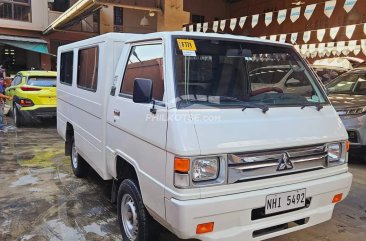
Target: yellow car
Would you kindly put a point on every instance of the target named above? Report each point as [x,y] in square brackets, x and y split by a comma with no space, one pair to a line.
[34,96]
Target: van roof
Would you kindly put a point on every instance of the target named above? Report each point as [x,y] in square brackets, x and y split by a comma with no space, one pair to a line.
[129,37]
[138,37]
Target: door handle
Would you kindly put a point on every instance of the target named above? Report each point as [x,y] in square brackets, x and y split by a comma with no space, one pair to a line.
[116,113]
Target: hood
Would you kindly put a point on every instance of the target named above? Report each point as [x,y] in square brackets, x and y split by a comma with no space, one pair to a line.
[345,101]
[233,130]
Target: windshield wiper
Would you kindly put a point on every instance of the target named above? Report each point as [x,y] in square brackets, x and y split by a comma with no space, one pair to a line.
[317,105]
[263,107]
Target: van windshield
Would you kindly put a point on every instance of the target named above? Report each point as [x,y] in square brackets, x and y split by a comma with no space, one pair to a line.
[220,73]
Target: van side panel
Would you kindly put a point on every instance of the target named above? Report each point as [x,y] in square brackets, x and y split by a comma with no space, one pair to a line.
[84,110]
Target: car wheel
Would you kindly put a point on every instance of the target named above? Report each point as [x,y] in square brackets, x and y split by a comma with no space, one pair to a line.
[18,121]
[135,222]
[78,164]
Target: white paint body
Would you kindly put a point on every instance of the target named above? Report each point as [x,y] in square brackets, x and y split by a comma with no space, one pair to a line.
[150,146]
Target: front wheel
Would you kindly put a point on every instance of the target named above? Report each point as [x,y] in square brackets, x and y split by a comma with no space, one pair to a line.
[134,220]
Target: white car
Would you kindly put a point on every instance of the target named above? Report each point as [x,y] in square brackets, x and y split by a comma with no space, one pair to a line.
[173,119]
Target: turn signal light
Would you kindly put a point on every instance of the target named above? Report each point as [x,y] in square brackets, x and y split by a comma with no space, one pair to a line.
[347,145]
[181,165]
[205,228]
[337,198]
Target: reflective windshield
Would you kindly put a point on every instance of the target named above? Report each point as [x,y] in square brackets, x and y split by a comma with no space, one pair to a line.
[349,83]
[42,81]
[221,73]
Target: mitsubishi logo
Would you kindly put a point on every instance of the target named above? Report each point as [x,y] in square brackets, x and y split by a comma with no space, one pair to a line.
[284,163]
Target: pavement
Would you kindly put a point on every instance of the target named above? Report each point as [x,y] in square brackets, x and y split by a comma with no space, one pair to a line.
[41,200]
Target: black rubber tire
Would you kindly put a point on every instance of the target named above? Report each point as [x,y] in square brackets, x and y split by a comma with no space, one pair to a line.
[81,169]
[17,116]
[147,227]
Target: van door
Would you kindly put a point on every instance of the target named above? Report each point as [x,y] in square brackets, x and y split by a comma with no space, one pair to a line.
[133,132]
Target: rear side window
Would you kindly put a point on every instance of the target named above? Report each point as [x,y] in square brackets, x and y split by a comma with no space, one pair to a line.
[88,69]
[42,81]
[146,62]
[66,68]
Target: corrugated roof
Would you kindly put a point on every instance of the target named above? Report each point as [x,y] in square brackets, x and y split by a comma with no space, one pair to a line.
[22,39]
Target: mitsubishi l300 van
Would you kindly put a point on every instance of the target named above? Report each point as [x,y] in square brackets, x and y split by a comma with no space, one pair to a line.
[174,120]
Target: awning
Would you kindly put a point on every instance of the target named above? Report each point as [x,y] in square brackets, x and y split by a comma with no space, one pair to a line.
[84,8]
[30,44]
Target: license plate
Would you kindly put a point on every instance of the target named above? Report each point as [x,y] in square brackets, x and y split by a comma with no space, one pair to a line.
[280,202]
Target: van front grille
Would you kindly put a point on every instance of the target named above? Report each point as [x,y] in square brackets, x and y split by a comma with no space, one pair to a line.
[244,167]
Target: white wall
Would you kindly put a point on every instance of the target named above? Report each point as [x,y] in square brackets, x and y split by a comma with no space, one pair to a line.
[39,18]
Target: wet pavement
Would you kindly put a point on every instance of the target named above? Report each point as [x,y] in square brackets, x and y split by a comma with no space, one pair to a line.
[40,199]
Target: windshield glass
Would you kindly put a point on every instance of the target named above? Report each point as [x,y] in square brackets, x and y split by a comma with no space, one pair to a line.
[350,83]
[42,81]
[221,73]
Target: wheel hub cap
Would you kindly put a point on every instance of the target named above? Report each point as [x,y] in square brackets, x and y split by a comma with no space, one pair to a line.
[129,217]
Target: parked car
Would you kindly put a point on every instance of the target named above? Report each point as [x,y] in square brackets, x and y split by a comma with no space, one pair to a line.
[328,73]
[173,120]
[34,96]
[348,95]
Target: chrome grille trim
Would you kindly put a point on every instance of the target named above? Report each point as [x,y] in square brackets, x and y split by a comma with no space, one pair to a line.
[256,165]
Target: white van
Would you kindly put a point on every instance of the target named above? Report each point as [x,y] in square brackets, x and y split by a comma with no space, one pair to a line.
[173,120]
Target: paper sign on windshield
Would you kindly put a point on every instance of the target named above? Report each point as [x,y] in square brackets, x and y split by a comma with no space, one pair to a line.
[187,46]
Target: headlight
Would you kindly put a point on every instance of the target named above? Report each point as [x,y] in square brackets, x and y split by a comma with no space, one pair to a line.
[337,154]
[205,169]
[356,111]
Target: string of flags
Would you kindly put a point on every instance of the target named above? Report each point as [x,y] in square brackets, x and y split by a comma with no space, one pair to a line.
[349,30]
[293,14]
[332,48]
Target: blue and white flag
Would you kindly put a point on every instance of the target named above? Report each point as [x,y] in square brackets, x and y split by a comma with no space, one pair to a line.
[215,26]
[233,23]
[198,27]
[255,20]
[242,21]
[329,8]
[306,36]
[268,18]
[283,38]
[295,14]
[350,29]
[309,10]
[320,34]
[294,37]
[281,16]
[364,28]
[222,24]
[333,32]
[205,27]
[348,5]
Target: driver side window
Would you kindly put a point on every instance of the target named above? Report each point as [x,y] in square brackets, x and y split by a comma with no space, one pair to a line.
[17,80]
[145,62]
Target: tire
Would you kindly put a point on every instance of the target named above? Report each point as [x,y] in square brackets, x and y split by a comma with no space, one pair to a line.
[18,118]
[134,221]
[79,166]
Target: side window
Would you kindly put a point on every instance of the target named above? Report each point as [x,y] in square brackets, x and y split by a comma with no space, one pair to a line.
[17,80]
[66,68]
[145,61]
[88,69]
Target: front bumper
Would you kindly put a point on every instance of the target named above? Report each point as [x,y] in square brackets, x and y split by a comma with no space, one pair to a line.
[232,214]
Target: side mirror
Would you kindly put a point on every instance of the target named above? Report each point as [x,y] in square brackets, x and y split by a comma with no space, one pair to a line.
[293,83]
[142,90]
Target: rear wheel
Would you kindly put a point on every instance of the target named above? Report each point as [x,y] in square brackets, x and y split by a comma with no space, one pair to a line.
[17,116]
[78,164]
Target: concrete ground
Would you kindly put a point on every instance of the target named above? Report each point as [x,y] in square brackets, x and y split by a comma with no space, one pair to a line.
[40,199]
